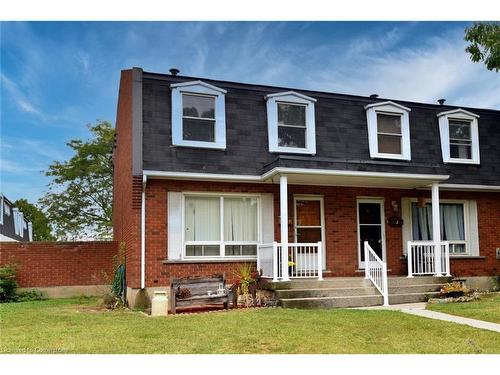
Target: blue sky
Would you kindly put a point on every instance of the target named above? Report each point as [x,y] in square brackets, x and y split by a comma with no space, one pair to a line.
[56,77]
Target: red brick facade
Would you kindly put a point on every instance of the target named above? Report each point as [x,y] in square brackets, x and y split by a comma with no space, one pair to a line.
[126,188]
[340,208]
[340,229]
[46,264]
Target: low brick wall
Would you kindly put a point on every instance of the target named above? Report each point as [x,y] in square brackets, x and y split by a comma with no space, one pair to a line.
[50,264]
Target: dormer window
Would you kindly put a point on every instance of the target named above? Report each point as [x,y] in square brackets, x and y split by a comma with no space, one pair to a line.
[388,131]
[198,115]
[290,123]
[459,135]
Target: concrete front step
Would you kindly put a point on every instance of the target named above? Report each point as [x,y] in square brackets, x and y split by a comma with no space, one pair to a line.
[325,292]
[396,299]
[331,302]
[418,288]
[417,280]
[354,291]
[336,282]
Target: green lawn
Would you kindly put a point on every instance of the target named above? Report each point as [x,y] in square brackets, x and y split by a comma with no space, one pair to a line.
[71,326]
[487,308]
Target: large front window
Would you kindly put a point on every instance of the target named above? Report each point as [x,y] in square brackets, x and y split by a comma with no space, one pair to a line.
[453,228]
[218,226]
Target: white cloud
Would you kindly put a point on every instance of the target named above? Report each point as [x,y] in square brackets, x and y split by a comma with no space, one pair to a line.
[9,166]
[19,98]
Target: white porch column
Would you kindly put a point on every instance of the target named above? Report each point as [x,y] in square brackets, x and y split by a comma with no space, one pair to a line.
[284,226]
[436,228]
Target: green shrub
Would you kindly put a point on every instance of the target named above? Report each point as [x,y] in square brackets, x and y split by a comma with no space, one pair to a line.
[29,295]
[8,283]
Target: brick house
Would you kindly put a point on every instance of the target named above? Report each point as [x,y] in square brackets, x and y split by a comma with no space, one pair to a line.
[209,174]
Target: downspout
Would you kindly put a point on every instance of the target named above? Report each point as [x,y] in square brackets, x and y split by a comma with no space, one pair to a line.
[143,232]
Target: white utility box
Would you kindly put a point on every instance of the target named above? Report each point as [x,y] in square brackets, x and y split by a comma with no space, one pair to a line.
[159,304]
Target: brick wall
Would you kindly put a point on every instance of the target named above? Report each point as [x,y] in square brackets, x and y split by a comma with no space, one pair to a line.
[126,188]
[45,264]
[340,229]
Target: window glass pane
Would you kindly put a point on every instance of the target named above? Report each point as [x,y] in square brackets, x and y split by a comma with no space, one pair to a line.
[369,213]
[308,235]
[452,222]
[389,144]
[240,219]
[388,123]
[198,106]
[202,219]
[249,250]
[202,250]
[198,130]
[291,137]
[290,114]
[457,248]
[461,150]
[459,129]
[241,250]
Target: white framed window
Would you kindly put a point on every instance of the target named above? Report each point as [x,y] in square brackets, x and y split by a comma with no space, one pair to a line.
[458,130]
[388,130]
[220,226]
[456,226]
[198,115]
[290,123]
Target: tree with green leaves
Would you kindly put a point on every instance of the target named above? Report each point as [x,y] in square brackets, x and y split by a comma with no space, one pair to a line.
[484,43]
[79,197]
[42,230]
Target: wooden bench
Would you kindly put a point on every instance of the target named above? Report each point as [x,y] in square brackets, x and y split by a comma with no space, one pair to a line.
[203,291]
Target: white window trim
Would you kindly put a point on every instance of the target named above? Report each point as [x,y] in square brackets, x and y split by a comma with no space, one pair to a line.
[389,108]
[444,132]
[467,224]
[221,242]
[272,121]
[200,88]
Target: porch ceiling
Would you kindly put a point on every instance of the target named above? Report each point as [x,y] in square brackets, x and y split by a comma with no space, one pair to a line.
[299,176]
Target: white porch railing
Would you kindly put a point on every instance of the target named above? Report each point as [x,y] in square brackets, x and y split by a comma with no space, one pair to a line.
[376,272]
[304,260]
[424,260]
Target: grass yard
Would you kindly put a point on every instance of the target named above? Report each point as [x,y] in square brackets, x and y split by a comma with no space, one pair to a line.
[77,326]
[487,308]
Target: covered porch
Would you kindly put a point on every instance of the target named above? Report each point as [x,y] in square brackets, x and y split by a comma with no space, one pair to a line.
[304,248]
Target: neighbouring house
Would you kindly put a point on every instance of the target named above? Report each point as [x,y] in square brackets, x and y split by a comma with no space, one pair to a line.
[308,185]
[13,225]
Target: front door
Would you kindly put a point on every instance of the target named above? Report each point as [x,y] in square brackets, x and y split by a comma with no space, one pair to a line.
[309,221]
[371,228]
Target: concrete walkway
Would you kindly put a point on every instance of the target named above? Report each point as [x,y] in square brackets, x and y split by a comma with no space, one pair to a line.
[419,310]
